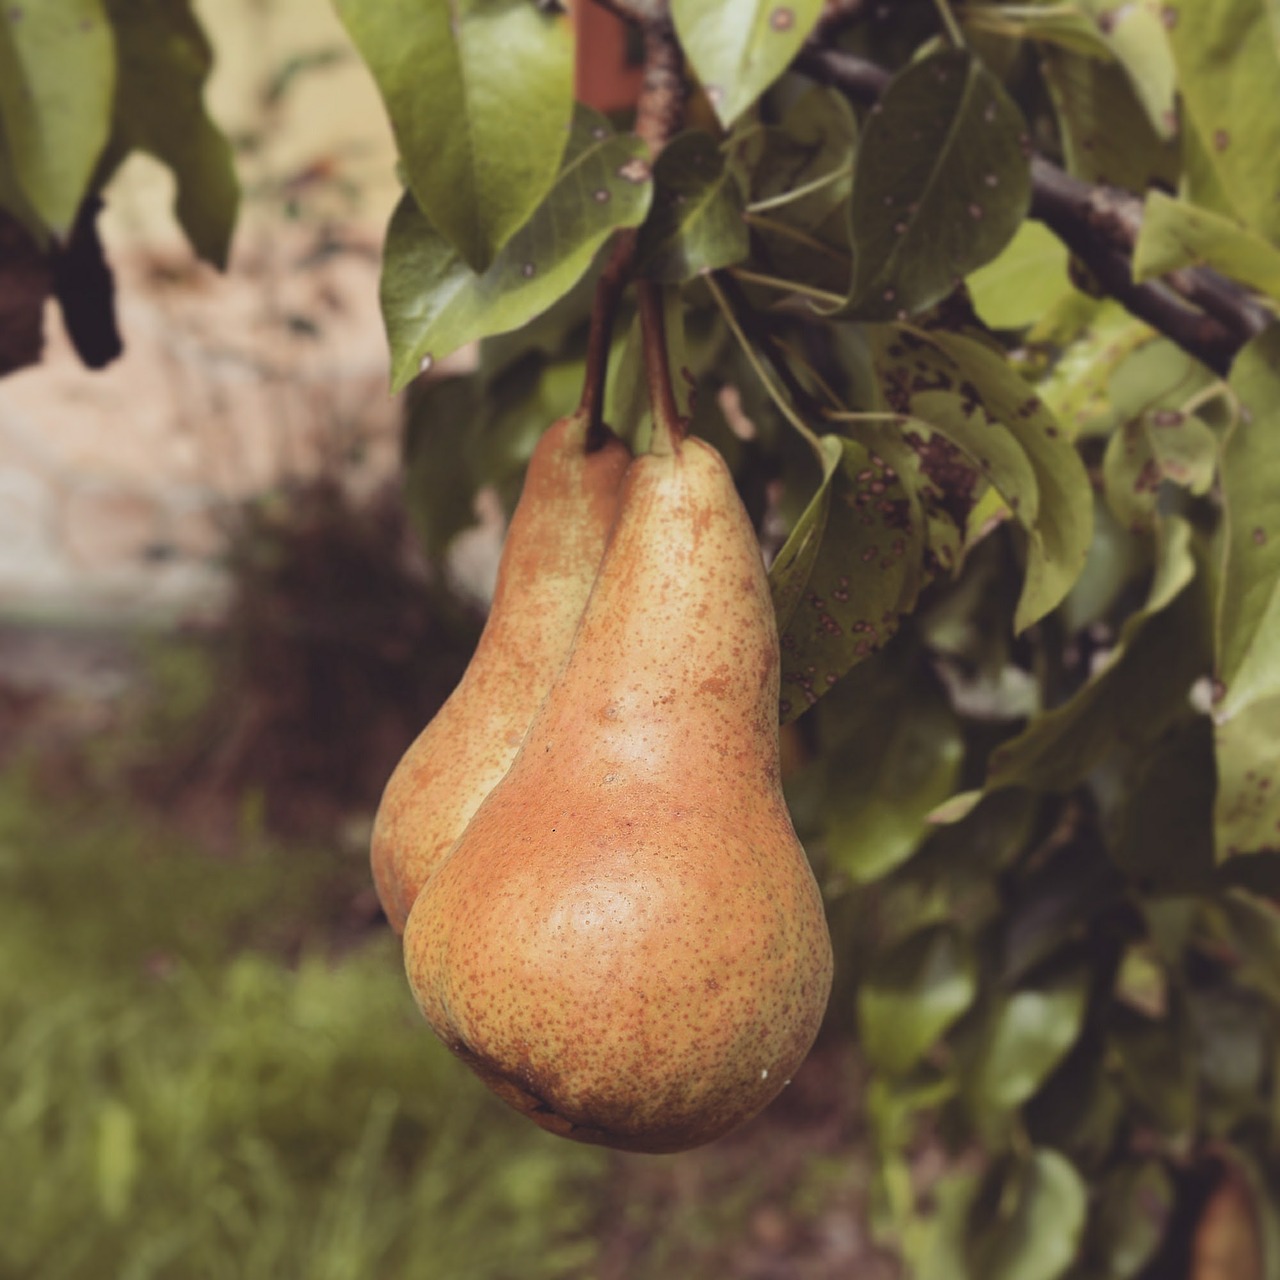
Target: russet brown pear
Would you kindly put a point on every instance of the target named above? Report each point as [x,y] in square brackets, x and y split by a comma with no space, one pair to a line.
[627,943]
[549,561]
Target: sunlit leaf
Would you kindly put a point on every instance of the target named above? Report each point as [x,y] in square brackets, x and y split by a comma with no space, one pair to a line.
[1248,622]
[1176,234]
[1246,812]
[480,95]
[740,47]
[57,77]
[165,57]
[1038,1233]
[1137,36]
[912,995]
[1076,387]
[1020,285]
[940,185]
[696,223]
[433,302]
[898,755]
[1228,60]
[1023,1035]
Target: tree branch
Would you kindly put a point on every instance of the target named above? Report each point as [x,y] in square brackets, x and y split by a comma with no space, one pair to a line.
[1208,316]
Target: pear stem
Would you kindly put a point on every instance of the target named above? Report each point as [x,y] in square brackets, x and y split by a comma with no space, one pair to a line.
[668,426]
[609,290]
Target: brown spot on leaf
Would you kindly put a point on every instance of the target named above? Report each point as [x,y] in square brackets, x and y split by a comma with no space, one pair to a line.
[782,18]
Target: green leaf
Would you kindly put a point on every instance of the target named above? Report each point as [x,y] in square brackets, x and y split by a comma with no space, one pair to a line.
[849,592]
[1165,837]
[1022,1036]
[1057,513]
[1159,445]
[1143,686]
[1080,1109]
[1135,1205]
[1248,611]
[1157,1070]
[1176,234]
[805,236]
[1246,814]
[912,995]
[1019,286]
[898,755]
[940,185]
[740,47]
[1069,27]
[117,1158]
[1232,1030]
[813,143]
[433,302]
[438,492]
[1137,36]
[165,58]
[480,95]
[1248,926]
[1106,134]
[57,75]
[1228,60]
[1037,1232]
[1076,388]
[696,223]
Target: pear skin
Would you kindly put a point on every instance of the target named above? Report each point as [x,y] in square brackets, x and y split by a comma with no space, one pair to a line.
[549,561]
[627,942]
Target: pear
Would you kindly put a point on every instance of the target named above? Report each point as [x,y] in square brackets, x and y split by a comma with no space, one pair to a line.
[627,942]
[549,561]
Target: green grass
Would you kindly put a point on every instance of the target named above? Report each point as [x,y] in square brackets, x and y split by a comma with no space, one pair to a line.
[190,1089]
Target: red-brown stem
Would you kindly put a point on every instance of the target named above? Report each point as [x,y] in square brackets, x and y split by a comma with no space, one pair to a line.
[658,113]
[609,290]
[668,426]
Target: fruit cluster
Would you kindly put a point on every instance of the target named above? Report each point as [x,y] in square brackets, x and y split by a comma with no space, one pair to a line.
[606,911]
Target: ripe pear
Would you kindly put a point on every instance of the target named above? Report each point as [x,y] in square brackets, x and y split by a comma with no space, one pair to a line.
[549,561]
[627,942]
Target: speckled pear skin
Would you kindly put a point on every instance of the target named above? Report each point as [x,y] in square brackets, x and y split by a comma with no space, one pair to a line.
[549,560]
[627,943]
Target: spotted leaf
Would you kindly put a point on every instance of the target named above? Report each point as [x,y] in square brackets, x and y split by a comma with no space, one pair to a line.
[851,567]
[433,303]
[740,47]
[940,185]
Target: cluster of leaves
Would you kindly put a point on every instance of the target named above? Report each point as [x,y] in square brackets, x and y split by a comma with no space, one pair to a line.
[83,84]
[1030,549]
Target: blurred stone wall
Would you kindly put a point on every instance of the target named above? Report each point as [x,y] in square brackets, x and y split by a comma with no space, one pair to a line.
[116,487]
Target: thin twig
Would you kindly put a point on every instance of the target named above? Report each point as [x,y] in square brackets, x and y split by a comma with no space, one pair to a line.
[609,290]
[738,314]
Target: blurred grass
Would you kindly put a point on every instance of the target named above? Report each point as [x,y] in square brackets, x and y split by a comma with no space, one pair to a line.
[190,1089]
